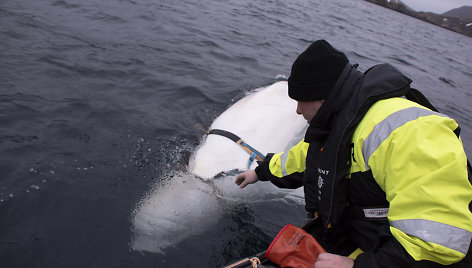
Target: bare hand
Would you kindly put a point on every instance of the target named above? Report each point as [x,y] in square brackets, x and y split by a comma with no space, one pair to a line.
[327,260]
[245,178]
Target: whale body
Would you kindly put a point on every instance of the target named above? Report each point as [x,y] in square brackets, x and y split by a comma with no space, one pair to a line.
[190,202]
[266,120]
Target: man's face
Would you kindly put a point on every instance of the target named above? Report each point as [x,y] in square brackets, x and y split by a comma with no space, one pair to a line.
[309,108]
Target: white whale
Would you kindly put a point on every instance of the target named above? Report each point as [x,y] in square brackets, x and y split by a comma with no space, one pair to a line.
[190,202]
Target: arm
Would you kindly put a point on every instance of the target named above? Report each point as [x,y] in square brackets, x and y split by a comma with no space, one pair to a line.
[272,164]
[285,169]
[421,166]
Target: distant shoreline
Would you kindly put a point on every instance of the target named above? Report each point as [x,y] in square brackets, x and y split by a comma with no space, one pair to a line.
[459,25]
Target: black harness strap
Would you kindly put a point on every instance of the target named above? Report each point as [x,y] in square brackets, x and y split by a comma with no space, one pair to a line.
[226,134]
[254,154]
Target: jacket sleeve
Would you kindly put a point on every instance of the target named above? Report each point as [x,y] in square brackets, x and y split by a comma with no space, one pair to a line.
[285,169]
[422,167]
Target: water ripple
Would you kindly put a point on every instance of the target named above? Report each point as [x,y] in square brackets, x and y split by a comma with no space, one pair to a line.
[82,83]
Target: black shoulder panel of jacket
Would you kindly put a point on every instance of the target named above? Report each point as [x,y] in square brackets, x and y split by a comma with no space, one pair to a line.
[418,97]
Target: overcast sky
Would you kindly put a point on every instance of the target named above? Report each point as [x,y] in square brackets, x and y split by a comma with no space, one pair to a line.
[436,6]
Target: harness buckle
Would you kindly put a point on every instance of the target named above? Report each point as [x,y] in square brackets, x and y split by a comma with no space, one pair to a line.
[251,159]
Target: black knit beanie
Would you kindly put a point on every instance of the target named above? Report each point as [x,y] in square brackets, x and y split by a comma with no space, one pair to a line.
[315,72]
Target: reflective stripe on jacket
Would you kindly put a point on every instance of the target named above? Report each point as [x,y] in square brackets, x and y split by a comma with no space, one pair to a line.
[420,164]
[293,161]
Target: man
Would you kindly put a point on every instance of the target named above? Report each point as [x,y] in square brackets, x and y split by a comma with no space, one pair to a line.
[382,173]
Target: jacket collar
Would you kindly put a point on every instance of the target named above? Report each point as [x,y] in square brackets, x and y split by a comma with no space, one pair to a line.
[325,118]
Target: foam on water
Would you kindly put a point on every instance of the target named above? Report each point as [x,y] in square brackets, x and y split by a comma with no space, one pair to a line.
[173,211]
[186,206]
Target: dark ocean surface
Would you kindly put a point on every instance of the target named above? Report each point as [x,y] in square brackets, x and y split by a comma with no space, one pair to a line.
[98,102]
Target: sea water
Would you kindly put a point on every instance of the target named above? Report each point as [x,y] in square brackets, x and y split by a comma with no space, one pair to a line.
[98,102]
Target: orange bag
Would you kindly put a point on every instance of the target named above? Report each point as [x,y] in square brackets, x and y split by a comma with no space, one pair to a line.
[293,247]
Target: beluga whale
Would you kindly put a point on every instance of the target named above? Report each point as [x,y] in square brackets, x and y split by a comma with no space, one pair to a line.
[189,203]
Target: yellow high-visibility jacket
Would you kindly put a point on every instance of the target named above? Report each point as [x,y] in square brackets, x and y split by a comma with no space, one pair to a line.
[419,163]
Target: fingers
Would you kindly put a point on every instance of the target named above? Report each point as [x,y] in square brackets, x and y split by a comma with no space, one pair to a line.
[331,260]
[324,257]
[243,184]
[245,178]
[241,180]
